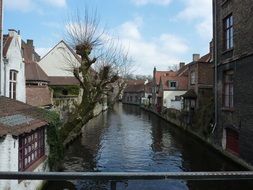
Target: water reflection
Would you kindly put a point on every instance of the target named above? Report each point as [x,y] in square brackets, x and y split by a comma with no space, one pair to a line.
[130,139]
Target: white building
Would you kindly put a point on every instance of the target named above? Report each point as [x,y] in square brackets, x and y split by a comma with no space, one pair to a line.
[12,67]
[171,88]
[60,61]
[23,144]
[59,64]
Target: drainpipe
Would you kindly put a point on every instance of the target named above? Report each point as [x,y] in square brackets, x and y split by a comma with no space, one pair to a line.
[215,61]
[5,61]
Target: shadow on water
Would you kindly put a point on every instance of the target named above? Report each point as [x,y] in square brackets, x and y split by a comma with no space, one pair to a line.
[130,139]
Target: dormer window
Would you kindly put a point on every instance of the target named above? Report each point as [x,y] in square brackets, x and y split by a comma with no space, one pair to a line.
[172,84]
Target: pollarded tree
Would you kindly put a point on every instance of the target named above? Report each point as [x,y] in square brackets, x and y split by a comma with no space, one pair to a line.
[102,63]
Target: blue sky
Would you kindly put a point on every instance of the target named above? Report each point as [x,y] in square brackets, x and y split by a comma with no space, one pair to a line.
[156,32]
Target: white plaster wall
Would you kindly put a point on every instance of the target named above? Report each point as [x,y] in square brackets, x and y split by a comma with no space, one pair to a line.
[15,62]
[8,159]
[9,162]
[59,61]
[170,95]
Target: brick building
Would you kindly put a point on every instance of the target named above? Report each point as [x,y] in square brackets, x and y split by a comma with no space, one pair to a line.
[233,36]
[37,90]
[134,92]
[200,83]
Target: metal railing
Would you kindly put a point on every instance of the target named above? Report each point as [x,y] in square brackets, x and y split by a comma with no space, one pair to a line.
[196,176]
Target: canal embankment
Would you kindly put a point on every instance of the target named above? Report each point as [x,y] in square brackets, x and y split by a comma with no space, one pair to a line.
[175,119]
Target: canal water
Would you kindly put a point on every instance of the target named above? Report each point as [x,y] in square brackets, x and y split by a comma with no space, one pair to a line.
[128,139]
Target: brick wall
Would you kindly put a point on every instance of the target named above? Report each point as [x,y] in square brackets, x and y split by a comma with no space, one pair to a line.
[240,60]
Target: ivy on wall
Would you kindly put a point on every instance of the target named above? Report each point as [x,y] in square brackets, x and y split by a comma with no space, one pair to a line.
[54,141]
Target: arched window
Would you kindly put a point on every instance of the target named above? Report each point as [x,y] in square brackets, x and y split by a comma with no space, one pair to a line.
[13,84]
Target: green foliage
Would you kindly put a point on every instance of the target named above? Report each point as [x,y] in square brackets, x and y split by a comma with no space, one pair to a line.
[71,90]
[54,141]
[204,117]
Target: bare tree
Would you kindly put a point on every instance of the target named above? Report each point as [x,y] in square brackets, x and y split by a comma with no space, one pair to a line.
[174,67]
[102,62]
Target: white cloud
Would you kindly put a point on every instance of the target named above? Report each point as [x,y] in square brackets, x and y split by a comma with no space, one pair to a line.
[57,3]
[30,5]
[158,2]
[162,51]
[24,5]
[201,12]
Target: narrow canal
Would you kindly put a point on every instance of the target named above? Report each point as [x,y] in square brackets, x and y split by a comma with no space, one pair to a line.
[130,139]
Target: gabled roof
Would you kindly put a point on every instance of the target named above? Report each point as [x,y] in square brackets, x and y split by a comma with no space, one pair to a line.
[158,75]
[70,49]
[17,117]
[33,72]
[182,82]
[134,86]
[190,94]
[205,58]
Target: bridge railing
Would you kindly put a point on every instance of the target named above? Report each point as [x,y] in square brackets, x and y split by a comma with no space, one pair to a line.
[195,176]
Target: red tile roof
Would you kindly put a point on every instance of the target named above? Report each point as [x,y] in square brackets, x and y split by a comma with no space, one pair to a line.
[38,96]
[6,44]
[158,75]
[61,81]
[182,82]
[33,72]
[17,117]
[134,86]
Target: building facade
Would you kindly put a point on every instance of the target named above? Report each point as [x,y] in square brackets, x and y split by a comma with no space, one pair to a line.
[37,91]
[200,83]
[233,29]
[23,143]
[134,92]
[13,68]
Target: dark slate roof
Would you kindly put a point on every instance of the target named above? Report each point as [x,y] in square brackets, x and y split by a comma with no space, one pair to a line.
[190,94]
[17,117]
[38,96]
[61,81]
[33,72]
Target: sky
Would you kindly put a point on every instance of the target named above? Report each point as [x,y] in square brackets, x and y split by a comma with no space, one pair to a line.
[156,33]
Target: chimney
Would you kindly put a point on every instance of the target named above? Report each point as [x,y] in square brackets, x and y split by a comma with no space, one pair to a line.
[12,32]
[195,57]
[29,42]
[181,64]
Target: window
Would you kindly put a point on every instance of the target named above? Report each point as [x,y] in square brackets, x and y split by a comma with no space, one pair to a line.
[172,84]
[177,98]
[13,84]
[228,32]
[31,148]
[193,77]
[228,89]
